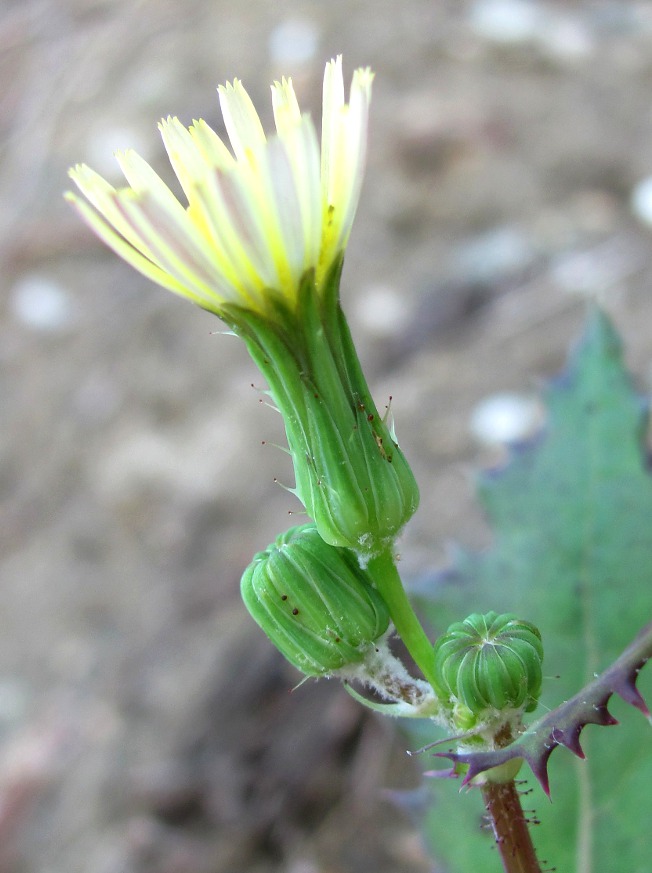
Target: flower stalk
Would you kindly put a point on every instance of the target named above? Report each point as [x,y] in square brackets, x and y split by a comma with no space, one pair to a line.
[382,569]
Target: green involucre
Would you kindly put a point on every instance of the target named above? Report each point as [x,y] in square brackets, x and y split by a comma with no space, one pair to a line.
[350,473]
[314,602]
[489,662]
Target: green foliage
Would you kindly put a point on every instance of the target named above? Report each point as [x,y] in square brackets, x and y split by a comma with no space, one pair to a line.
[571,514]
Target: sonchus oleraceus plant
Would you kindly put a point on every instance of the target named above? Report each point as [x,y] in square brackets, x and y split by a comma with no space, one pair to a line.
[260,243]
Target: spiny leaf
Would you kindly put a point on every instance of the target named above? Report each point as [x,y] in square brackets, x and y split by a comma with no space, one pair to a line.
[571,514]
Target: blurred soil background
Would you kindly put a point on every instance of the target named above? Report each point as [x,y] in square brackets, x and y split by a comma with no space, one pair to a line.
[146,725]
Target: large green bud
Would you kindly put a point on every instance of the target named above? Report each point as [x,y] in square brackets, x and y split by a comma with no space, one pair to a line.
[350,473]
[487,664]
[314,602]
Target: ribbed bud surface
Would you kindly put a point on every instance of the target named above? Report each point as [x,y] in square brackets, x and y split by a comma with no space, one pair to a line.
[489,662]
[351,475]
[314,602]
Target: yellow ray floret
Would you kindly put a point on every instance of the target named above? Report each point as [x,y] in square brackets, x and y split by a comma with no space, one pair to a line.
[257,217]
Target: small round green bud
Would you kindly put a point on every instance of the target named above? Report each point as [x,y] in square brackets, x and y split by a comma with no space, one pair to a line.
[489,662]
[314,602]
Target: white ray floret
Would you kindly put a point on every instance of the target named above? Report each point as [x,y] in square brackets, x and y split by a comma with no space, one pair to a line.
[257,217]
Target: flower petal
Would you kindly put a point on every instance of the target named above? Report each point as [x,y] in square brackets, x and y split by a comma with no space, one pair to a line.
[333,101]
[285,105]
[102,197]
[344,137]
[241,119]
[127,252]
[257,219]
[211,147]
[187,161]
[176,248]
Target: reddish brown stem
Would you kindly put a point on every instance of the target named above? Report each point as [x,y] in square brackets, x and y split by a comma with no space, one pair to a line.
[510,827]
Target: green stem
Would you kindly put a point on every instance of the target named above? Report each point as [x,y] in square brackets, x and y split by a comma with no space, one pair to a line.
[384,573]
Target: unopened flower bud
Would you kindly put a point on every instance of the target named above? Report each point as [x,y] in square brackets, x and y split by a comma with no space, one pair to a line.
[489,663]
[314,602]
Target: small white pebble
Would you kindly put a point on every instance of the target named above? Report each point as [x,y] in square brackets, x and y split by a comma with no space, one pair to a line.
[568,39]
[293,42]
[41,304]
[506,21]
[594,271]
[494,255]
[381,310]
[641,201]
[505,418]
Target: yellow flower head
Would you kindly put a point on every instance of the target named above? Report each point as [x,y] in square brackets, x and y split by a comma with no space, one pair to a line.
[258,218]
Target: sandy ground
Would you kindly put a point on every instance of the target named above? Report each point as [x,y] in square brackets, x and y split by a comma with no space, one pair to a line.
[145,724]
